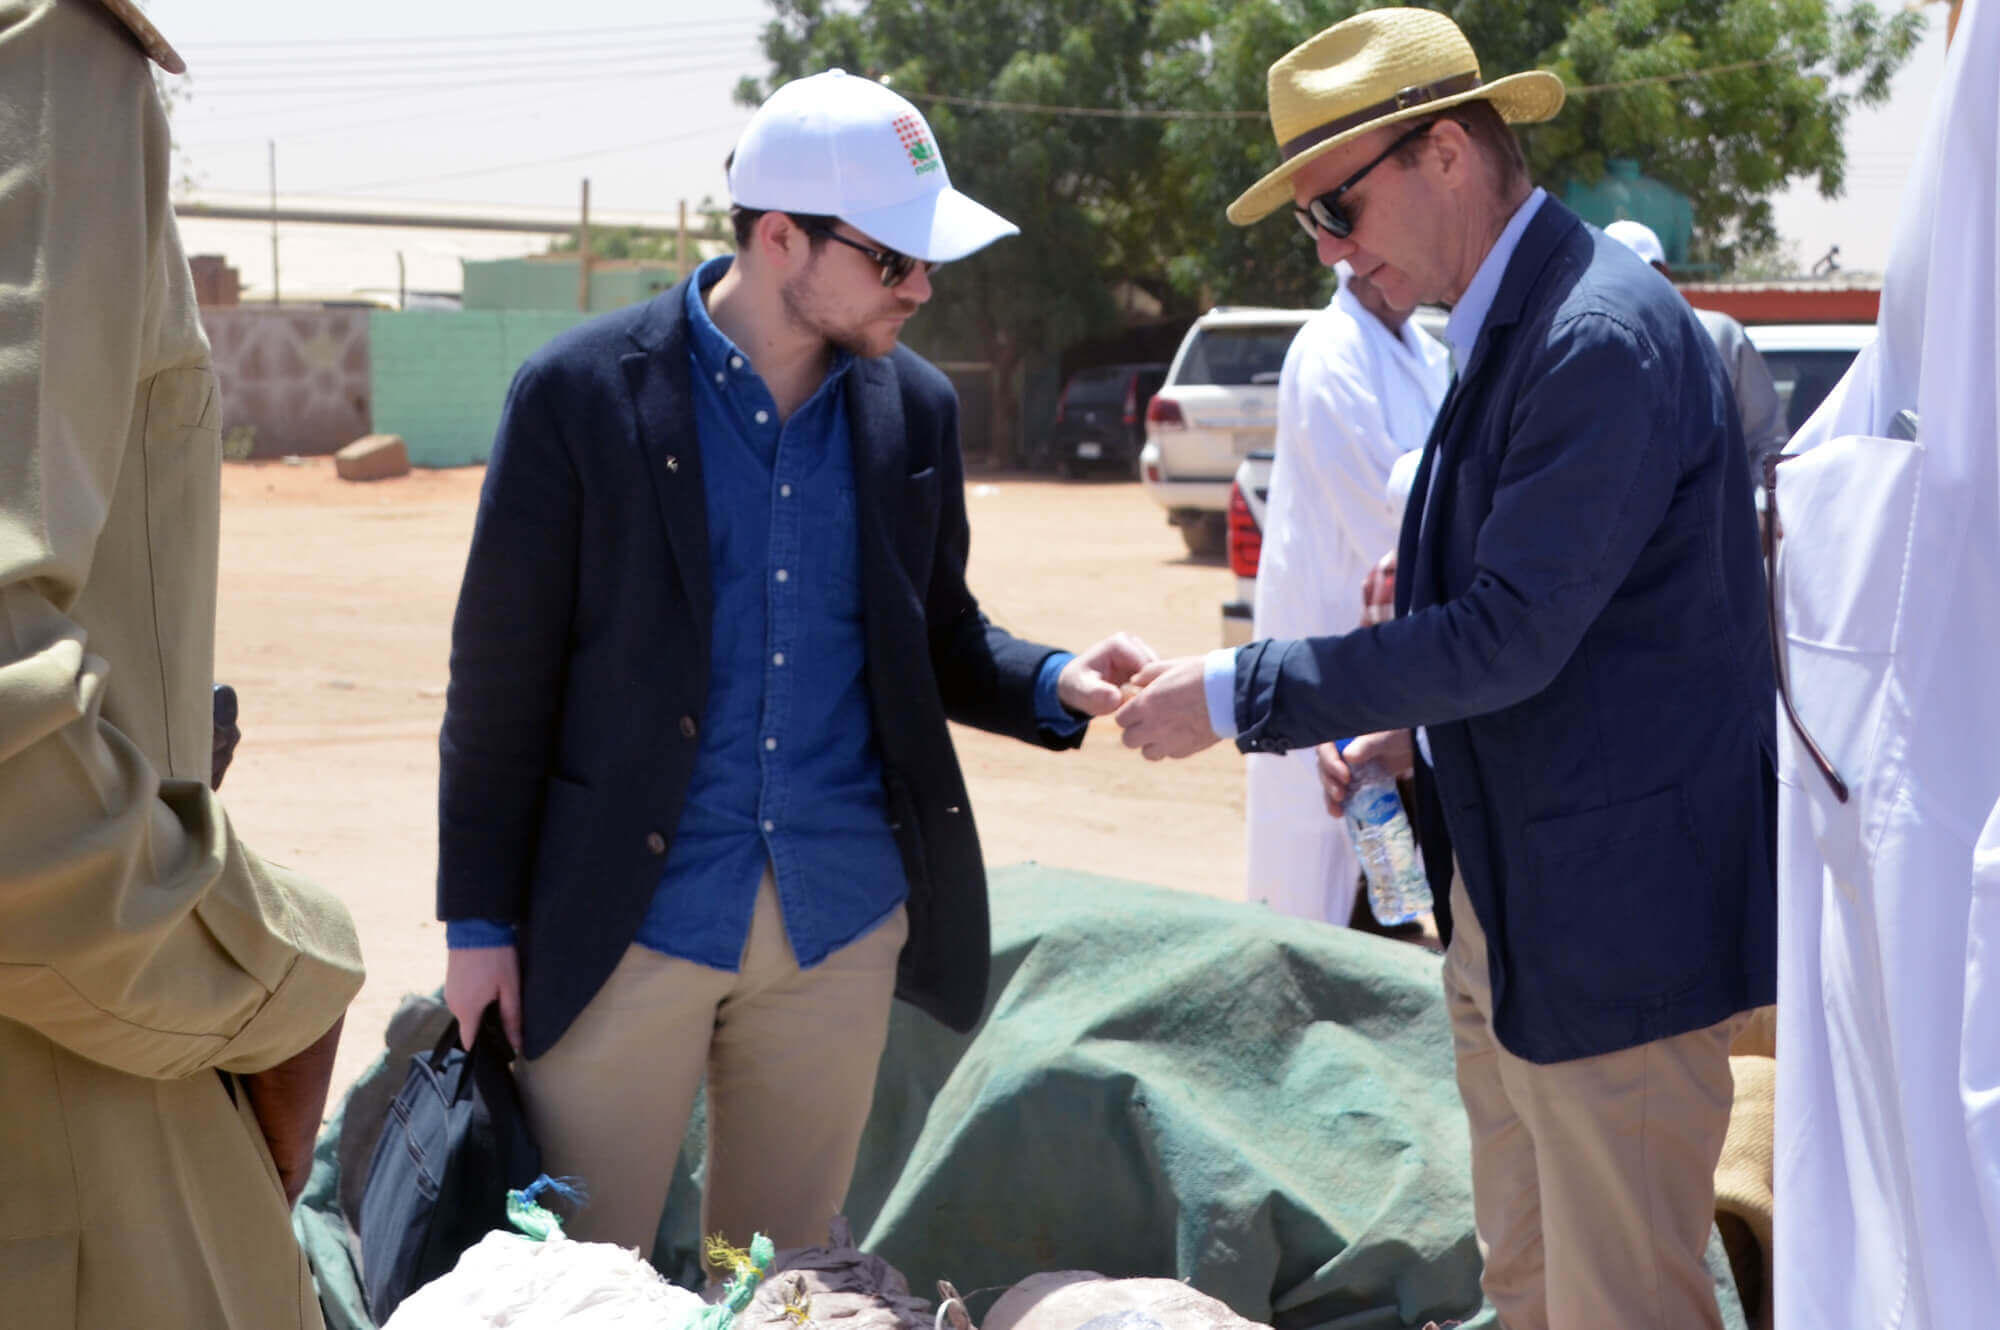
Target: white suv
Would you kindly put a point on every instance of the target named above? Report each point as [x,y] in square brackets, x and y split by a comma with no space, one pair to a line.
[1218,405]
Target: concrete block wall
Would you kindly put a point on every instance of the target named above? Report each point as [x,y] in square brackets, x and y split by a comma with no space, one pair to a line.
[440,378]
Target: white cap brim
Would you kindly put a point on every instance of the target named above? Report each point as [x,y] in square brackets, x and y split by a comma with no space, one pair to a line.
[936,227]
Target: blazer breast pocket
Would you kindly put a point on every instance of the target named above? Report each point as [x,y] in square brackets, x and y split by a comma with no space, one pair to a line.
[917,523]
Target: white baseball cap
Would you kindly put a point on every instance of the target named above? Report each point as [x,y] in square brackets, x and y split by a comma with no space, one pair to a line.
[844,146]
[1639,238]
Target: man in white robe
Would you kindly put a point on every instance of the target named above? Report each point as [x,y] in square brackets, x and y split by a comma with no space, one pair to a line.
[1360,388]
[1887,1143]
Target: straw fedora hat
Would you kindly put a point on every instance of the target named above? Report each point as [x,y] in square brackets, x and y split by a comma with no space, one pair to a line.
[1376,69]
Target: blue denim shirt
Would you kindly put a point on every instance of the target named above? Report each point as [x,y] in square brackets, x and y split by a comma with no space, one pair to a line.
[788,771]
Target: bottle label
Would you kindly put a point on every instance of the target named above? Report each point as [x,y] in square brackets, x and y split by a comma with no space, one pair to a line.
[1376,807]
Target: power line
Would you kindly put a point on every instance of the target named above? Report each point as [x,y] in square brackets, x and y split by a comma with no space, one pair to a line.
[334,66]
[523,166]
[472,40]
[1150,113]
[512,81]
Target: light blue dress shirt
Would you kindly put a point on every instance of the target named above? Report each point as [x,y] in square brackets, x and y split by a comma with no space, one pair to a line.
[1461,333]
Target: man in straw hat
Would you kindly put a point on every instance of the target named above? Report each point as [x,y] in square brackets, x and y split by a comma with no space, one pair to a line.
[169,1002]
[1580,630]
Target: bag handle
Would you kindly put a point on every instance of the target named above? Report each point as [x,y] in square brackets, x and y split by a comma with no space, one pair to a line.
[489,1044]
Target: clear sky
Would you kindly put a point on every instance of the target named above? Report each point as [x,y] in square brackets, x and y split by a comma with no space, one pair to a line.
[515,101]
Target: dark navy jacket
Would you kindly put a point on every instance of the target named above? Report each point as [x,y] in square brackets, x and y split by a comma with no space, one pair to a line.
[1582,630]
[580,659]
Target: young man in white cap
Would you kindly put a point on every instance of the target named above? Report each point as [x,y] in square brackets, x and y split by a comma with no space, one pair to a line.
[170,1003]
[1581,629]
[700,812]
[1757,404]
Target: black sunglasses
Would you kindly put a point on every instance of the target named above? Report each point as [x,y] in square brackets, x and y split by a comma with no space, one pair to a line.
[895,267]
[1325,213]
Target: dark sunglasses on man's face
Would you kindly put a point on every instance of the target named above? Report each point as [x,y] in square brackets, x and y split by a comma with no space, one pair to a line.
[895,267]
[1326,213]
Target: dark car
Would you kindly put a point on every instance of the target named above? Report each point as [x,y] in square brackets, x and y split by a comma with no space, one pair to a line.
[1100,419]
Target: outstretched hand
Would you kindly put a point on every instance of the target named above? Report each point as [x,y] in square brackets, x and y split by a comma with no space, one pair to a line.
[1170,717]
[1093,683]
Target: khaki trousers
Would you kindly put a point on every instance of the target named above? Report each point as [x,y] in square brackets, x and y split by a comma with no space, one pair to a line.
[1593,1181]
[790,1056]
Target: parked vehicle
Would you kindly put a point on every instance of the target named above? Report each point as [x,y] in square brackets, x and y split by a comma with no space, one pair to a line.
[1249,493]
[1100,419]
[1806,360]
[1219,404]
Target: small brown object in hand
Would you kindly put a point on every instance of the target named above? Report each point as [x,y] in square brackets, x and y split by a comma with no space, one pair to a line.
[289,1100]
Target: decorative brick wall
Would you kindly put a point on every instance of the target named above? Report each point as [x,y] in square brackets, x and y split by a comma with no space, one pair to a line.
[294,380]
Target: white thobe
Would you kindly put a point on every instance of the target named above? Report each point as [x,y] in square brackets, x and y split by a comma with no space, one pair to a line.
[1887,1140]
[1352,398]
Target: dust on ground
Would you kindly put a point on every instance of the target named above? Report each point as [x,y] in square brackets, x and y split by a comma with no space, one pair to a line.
[335,626]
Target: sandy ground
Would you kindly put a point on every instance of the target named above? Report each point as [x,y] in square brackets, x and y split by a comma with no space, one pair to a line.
[335,627]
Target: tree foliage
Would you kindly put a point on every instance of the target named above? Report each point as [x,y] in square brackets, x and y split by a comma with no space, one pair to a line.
[1725,100]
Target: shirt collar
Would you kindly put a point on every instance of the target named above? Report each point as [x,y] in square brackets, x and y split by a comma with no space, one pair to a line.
[1468,316]
[714,353]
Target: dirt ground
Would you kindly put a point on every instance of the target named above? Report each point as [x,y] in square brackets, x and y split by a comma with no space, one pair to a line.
[335,627]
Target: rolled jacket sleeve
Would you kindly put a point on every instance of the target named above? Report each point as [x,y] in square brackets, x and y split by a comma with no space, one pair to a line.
[135,929]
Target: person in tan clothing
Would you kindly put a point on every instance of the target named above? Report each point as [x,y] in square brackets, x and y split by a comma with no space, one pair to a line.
[168,1001]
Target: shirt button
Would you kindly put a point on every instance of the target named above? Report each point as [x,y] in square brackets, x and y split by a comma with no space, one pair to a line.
[770,745]
[770,826]
[736,362]
[688,727]
[784,491]
[720,377]
[763,416]
[655,843]
[784,576]
[777,657]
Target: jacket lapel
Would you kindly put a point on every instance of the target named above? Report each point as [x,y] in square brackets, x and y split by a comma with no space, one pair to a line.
[881,450]
[1420,549]
[658,378]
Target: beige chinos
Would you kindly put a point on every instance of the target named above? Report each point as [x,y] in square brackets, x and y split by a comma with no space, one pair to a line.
[1593,1181]
[790,1055]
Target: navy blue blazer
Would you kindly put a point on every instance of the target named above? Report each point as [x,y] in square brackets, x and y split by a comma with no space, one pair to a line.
[1581,627]
[580,660]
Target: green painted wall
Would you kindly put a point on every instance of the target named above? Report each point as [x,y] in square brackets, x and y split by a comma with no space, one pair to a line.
[551,284]
[439,378]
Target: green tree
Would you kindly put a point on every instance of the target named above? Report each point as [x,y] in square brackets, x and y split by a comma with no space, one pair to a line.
[1724,100]
[1076,186]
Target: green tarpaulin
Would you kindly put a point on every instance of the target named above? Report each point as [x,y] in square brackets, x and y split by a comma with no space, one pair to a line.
[1163,1085]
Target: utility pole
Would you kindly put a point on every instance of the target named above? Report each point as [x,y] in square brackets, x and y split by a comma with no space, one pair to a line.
[583,254]
[681,246]
[273,145]
[402,283]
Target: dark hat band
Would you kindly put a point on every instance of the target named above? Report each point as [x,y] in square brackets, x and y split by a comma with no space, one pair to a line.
[1415,95]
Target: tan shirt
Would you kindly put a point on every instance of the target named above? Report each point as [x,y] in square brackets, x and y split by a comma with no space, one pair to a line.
[142,947]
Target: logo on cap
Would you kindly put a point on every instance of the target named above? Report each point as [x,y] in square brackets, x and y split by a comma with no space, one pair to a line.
[923,154]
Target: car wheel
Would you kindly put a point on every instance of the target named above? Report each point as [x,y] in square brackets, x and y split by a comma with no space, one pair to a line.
[1207,536]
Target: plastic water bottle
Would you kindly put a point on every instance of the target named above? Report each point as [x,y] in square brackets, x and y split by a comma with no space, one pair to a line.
[1398,891]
